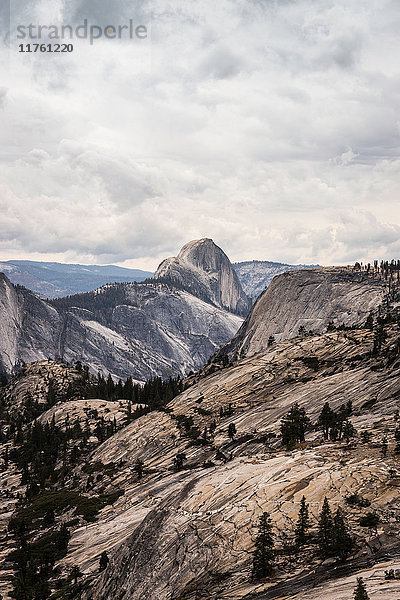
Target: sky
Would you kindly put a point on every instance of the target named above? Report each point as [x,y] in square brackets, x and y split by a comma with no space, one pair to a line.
[272,127]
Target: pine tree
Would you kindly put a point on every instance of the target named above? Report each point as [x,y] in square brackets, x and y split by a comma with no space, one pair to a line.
[139,468]
[104,560]
[263,555]
[325,530]
[294,426]
[326,419]
[360,592]
[342,541]
[231,430]
[302,524]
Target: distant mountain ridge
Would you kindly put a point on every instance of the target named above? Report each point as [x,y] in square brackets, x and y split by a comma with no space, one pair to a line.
[52,279]
[56,280]
[143,330]
[256,275]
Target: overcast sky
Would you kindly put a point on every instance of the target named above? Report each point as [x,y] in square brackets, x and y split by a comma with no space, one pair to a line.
[271,126]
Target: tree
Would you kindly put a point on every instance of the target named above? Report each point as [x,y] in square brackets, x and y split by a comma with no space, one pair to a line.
[104,560]
[263,555]
[325,530]
[139,468]
[232,430]
[302,331]
[51,394]
[360,592]
[326,419]
[349,430]
[302,524]
[75,574]
[342,541]
[294,426]
[179,460]
[271,341]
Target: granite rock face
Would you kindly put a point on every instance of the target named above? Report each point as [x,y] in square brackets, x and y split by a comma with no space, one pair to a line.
[189,531]
[29,327]
[308,299]
[190,534]
[204,270]
[140,330]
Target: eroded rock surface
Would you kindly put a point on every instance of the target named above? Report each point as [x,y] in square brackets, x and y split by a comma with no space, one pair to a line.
[308,299]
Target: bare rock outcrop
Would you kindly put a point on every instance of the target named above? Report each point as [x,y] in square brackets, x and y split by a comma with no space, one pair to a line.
[204,270]
[309,299]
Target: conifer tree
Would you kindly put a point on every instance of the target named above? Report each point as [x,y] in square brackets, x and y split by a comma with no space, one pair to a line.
[104,560]
[325,530]
[263,555]
[326,419]
[139,468]
[302,524]
[231,430]
[294,426]
[342,541]
[360,592]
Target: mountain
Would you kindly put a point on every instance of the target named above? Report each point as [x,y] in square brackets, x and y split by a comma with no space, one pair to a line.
[308,299]
[138,329]
[172,499]
[204,270]
[52,280]
[256,275]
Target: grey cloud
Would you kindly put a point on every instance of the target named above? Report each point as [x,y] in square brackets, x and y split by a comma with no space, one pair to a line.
[256,123]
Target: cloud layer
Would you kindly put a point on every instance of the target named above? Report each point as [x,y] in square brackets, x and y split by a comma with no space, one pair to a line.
[272,127]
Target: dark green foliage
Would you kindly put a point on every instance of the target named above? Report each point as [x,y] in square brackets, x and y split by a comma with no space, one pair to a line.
[380,336]
[139,468]
[231,430]
[34,562]
[342,541]
[263,555]
[370,520]
[325,530]
[294,426]
[101,303]
[51,395]
[356,500]
[179,459]
[365,436]
[333,536]
[155,393]
[326,419]
[302,524]
[311,362]
[360,592]
[336,425]
[349,431]
[103,562]
[28,515]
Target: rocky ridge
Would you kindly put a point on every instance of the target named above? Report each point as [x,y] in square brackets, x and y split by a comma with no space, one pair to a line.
[204,270]
[308,300]
[53,280]
[256,275]
[140,330]
[188,531]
